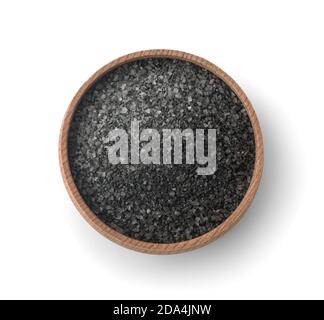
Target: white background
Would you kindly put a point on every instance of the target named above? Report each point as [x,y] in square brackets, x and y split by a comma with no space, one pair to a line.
[273,49]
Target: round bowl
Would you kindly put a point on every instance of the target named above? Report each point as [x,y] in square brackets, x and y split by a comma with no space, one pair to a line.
[142,246]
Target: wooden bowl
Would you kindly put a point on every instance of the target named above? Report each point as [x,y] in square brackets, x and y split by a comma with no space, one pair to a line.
[148,247]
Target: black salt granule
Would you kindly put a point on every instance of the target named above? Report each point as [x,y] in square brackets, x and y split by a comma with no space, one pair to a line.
[157,202]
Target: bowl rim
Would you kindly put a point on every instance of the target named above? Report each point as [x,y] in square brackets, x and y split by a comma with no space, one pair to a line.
[149,247]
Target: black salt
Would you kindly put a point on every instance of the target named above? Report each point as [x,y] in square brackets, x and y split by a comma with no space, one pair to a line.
[161,203]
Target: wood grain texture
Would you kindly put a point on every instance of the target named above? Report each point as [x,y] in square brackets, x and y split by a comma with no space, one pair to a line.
[147,247]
